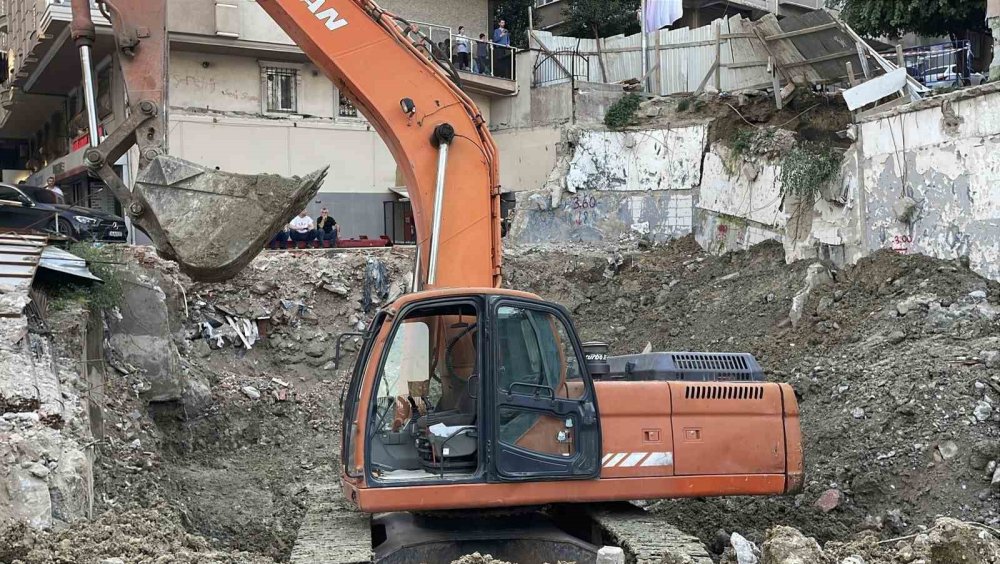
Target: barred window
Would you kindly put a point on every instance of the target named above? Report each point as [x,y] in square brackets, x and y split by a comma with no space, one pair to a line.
[344,106]
[282,85]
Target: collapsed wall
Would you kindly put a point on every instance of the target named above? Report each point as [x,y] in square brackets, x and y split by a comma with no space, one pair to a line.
[918,179]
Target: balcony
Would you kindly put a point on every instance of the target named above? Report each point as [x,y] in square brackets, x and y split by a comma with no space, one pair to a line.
[42,61]
[483,67]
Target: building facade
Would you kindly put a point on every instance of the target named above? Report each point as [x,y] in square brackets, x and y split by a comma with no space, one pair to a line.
[242,97]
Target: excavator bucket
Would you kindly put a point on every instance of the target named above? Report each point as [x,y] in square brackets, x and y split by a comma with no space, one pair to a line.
[213,223]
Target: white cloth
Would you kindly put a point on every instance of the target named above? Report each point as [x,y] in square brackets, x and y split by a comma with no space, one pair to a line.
[445,431]
[58,191]
[462,43]
[661,13]
[301,224]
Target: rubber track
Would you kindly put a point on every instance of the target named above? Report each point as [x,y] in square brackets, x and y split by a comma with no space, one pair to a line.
[645,538]
[332,531]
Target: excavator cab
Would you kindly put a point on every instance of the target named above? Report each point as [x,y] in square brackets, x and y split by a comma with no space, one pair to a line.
[471,388]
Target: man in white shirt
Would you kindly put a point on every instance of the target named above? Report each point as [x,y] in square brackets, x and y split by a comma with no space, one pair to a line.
[302,228]
[50,185]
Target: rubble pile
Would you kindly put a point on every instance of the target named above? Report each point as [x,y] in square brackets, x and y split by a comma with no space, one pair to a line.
[46,465]
[894,361]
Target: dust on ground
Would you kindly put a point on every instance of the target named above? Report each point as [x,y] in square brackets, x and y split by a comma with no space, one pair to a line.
[889,360]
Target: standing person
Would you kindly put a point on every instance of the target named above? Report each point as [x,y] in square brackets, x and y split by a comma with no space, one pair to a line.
[502,59]
[462,49]
[301,228]
[501,35]
[326,228]
[50,185]
[483,55]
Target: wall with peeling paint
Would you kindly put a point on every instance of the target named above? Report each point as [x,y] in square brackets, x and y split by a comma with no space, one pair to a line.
[658,159]
[940,157]
[946,157]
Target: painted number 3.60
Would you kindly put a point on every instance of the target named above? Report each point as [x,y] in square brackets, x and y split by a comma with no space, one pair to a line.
[584,202]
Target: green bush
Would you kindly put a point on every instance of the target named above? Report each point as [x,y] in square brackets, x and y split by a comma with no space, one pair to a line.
[806,168]
[104,262]
[622,112]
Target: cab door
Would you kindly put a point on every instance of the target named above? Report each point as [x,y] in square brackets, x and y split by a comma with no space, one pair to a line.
[545,420]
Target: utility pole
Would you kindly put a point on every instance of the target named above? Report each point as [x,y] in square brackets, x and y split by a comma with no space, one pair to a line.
[645,46]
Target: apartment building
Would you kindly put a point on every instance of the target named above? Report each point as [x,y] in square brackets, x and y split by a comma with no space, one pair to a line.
[550,13]
[242,97]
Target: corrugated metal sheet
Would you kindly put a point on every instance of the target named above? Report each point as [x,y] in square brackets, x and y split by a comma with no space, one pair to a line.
[19,258]
[58,260]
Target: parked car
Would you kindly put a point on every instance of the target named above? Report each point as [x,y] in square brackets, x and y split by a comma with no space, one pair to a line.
[942,77]
[28,209]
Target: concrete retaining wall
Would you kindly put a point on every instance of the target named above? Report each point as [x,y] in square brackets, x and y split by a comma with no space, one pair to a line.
[924,178]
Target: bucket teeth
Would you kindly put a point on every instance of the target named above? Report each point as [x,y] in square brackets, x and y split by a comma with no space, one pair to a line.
[213,223]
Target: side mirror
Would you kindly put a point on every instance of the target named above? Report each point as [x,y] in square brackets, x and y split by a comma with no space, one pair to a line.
[26,201]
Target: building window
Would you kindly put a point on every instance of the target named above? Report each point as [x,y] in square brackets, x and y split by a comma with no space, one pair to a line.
[345,108]
[282,86]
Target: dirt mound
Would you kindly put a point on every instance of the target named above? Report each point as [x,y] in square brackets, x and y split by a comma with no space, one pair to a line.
[889,360]
[134,535]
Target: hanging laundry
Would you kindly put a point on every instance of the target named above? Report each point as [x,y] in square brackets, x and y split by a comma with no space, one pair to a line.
[661,13]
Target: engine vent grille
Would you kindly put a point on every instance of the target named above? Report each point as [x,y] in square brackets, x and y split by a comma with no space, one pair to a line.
[724,392]
[716,361]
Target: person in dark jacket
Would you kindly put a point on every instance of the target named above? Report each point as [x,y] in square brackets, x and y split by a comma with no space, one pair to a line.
[483,55]
[326,228]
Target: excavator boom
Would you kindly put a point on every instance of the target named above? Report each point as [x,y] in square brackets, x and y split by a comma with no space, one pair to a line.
[434,131]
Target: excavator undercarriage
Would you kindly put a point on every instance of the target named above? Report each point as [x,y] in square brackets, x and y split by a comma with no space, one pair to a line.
[334,533]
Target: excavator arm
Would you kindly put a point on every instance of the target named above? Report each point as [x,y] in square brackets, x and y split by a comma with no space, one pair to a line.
[433,129]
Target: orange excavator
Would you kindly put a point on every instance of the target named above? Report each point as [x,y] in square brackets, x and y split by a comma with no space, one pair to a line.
[466,399]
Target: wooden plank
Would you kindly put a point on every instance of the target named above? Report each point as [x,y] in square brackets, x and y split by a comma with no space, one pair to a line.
[913,88]
[804,31]
[20,250]
[873,90]
[744,65]
[718,57]
[814,46]
[863,56]
[783,52]
[824,58]
[853,80]
[704,81]
[776,85]
[884,107]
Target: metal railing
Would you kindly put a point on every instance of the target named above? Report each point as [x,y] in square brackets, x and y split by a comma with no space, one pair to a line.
[560,66]
[942,65]
[470,54]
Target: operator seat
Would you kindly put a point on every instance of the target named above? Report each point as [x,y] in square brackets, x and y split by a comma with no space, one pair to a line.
[446,438]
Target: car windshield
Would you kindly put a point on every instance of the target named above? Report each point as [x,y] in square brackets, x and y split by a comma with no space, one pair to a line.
[10,193]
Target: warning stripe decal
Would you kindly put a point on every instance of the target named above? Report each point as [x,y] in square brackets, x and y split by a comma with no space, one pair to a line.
[642,459]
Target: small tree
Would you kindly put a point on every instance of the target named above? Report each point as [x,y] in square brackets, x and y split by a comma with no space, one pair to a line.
[894,18]
[602,18]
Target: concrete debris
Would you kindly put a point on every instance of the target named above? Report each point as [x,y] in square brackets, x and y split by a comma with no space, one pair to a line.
[830,500]
[477,558]
[206,485]
[785,545]
[983,411]
[948,450]
[817,275]
[746,552]
[906,209]
[610,555]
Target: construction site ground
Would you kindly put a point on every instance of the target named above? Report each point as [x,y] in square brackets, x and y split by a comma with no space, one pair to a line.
[894,360]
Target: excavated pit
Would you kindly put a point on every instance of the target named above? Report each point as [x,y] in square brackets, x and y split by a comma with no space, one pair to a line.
[894,360]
